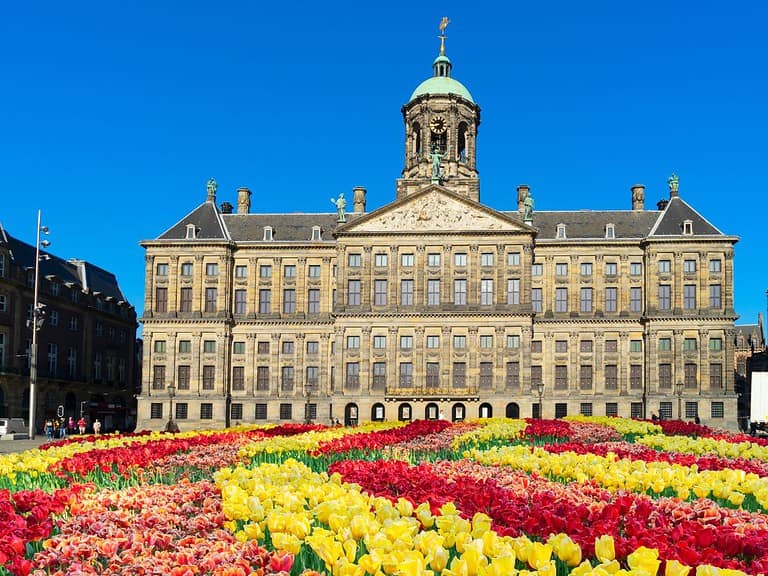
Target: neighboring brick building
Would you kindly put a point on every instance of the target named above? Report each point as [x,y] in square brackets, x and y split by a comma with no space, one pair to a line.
[85,346]
[438,303]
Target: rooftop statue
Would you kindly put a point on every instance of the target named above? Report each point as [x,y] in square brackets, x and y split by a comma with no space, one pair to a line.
[340,204]
[528,214]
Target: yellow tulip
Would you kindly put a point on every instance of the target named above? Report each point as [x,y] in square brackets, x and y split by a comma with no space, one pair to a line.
[675,568]
[645,559]
[404,507]
[612,567]
[345,568]
[500,566]
[475,560]
[481,523]
[424,514]
[287,542]
[736,498]
[462,541]
[439,559]
[583,569]
[539,555]
[369,563]
[604,548]
[253,531]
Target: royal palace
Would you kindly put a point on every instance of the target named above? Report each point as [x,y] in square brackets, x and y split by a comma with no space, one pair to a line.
[436,305]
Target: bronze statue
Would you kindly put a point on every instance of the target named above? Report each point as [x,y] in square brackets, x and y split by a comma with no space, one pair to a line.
[674,183]
[211,186]
[340,204]
[528,214]
[437,166]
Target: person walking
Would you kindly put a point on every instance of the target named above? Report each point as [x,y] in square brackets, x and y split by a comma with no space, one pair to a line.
[96,426]
[81,425]
[71,425]
[62,429]
[49,429]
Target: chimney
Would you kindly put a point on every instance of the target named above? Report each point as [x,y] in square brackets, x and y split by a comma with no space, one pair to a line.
[243,201]
[226,208]
[638,197]
[523,190]
[661,204]
[359,193]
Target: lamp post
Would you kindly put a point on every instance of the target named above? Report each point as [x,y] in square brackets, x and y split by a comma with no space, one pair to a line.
[37,322]
[171,426]
[538,388]
[679,393]
[308,389]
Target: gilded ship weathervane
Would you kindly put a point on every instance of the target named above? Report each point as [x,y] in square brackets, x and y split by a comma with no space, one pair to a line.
[443,25]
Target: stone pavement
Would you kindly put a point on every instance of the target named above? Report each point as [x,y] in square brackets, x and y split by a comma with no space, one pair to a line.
[7,445]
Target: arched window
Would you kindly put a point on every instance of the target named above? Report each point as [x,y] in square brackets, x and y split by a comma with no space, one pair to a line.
[350,415]
[462,144]
[486,410]
[417,139]
[513,410]
[404,413]
[378,412]
[431,412]
[458,412]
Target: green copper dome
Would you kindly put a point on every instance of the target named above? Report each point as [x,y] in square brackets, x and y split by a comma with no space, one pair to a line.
[442,85]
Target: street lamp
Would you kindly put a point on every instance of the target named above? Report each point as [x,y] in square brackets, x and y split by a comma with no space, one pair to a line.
[679,393]
[36,324]
[171,426]
[538,388]
[308,389]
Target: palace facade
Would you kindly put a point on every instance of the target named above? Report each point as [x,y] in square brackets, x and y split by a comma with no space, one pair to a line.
[437,305]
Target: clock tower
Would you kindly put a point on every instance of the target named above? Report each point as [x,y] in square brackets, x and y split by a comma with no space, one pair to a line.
[441,122]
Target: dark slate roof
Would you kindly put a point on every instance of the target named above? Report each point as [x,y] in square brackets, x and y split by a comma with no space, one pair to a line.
[586,224]
[750,333]
[677,211]
[285,227]
[207,221]
[76,272]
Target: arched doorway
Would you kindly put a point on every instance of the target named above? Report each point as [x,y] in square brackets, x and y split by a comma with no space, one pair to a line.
[486,410]
[404,413]
[458,412]
[378,412]
[350,415]
[513,410]
[431,412]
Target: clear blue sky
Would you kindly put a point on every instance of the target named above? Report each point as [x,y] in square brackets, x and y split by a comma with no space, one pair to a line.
[114,114]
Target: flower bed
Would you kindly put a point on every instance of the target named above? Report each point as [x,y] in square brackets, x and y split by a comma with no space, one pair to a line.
[488,497]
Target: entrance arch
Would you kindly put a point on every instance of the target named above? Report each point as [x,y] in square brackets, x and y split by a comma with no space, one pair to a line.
[513,410]
[486,410]
[350,414]
[378,413]
[458,412]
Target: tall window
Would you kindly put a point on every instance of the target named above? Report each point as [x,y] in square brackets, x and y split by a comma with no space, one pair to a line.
[714,265]
[406,375]
[240,305]
[689,344]
[353,342]
[561,346]
[286,378]
[158,377]
[182,377]
[691,370]
[185,300]
[585,377]
[459,375]
[512,379]
[353,375]
[715,344]
[433,375]
[486,259]
[460,259]
[665,297]
[241,271]
[265,271]
[486,341]
[211,269]
[459,342]
[635,268]
[486,375]
[714,296]
[433,342]
[486,292]
[586,269]
[379,375]
[211,295]
[433,292]
[536,375]
[314,271]
[665,375]
[689,296]
[586,299]
[406,292]
[313,301]
[561,299]
[380,260]
[289,301]
[186,269]
[53,352]
[262,378]
[636,299]
[665,344]
[71,362]
[2,350]
[561,269]
[406,342]
[611,268]
[313,347]
[689,266]
[536,300]
[354,261]
[513,291]
[433,259]
[238,378]
[513,341]
[380,292]
[209,377]
[537,269]
[715,376]
[289,270]
[611,377]
[353,292]
[265,301]
[610,299]
[664,266]
[635,376]
[406,260]
[561,377]
[460,292]
[161,299]
[313,376]
[513,259]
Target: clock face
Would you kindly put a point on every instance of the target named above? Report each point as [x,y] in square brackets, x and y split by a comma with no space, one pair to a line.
[438,124]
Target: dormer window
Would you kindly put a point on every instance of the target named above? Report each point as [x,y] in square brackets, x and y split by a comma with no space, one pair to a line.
[267,233]
[317,233]
[560,232]
[687,228]
[191,232]
[610,231]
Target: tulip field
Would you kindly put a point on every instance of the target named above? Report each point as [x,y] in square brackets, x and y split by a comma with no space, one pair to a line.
[496,497]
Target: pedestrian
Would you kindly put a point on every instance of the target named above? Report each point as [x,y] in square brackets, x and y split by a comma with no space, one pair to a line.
[49,429]
[96,426]
[62,429]
[81,425]
[71,425]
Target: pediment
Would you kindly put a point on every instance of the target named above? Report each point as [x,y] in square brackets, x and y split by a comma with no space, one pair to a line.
[435,210]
